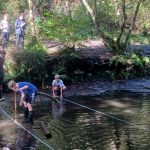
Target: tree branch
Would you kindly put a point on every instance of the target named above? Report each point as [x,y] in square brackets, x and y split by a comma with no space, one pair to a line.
[133,21]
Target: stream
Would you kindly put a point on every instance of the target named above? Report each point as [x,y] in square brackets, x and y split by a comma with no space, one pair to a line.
[113,120]
[74,127]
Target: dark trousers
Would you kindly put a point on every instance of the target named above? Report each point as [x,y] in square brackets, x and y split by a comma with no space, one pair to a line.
[19,41]
[5,39]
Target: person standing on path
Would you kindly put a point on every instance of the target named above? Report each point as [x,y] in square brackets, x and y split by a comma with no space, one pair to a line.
[5,31]
[28,92]
[19,30]
[2,59]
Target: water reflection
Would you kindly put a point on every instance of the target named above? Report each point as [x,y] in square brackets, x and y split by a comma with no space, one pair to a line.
[83,129]
[57,108]
[24,140]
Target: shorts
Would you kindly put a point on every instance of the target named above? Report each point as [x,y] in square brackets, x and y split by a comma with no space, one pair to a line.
[30,98]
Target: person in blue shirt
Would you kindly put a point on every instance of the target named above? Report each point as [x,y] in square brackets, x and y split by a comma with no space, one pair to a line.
[58,86]
[28,92]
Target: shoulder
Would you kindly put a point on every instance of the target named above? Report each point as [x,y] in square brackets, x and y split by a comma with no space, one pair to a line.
[54,81]
[61,81]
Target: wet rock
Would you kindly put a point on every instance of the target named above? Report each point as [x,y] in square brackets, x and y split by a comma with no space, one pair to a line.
[98,88]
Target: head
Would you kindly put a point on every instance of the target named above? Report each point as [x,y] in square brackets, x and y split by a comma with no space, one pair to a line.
[57,77]
[21,17]
[12,85]
[5,16]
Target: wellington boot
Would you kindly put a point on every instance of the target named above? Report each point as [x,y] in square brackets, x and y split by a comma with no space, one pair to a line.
[26,113]
[31,115]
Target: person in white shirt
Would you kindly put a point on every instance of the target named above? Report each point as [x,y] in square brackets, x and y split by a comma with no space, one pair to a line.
[5,31]
[58,86]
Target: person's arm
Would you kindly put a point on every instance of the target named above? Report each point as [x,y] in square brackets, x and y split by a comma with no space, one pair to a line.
[22,99]
[23,88]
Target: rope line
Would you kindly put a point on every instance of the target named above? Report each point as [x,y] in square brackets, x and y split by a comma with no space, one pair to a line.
[105,114]
[6,114]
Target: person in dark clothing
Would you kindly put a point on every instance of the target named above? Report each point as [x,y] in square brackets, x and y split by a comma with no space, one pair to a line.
[28,92]
[19,30]
[2,59]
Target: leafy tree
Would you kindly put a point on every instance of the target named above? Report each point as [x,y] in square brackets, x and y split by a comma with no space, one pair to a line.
[119,44]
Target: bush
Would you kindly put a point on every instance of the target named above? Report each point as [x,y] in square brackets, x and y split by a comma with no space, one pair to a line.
[28,64]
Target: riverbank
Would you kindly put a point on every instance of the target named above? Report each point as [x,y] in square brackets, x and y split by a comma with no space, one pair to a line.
[102,87]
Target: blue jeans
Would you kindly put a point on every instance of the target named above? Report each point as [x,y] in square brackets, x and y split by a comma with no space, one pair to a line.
[5,39]
[19,41]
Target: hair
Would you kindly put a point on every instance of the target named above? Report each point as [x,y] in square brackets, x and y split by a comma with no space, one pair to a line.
[57,76]
[11,84]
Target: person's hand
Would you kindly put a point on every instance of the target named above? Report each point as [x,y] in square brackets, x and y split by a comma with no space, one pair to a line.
[16,90]
[54,95]
[21,103]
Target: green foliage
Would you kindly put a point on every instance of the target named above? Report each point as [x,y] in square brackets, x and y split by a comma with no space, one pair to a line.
[67,57]
[129,66]
[28,64]
[65,29]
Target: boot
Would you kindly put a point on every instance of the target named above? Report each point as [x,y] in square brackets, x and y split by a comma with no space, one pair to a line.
[26,113]
[31,115]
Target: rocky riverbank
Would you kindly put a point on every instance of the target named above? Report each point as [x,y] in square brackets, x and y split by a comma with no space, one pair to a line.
[97,87]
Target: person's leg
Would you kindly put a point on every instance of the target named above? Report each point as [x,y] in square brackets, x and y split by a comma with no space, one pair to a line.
[3,40]
[26,111]
[22,41]
[7,38]
[17,41]
[30,108]
[31,113]
[57,90]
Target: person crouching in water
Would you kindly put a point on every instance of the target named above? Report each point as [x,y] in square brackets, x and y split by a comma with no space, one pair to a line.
[28,92]
[58,86]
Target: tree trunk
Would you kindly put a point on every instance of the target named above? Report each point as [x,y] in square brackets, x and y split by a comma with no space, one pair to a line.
[92,14]
[31,17]
[133,22]
[122,20]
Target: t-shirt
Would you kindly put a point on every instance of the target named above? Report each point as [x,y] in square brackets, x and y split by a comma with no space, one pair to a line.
[30,90]
[58,83]
[4,26]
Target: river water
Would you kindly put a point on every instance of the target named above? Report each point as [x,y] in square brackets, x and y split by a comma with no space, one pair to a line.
[112,121]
